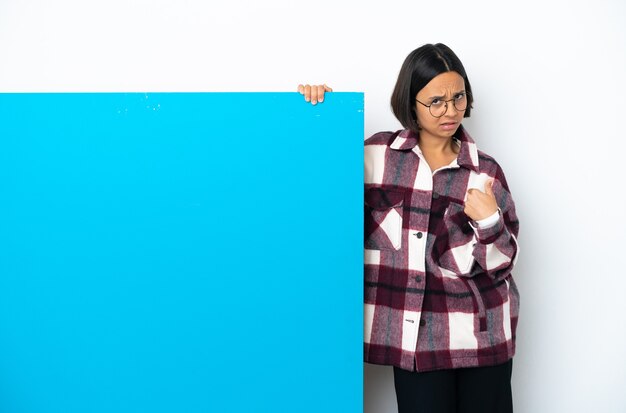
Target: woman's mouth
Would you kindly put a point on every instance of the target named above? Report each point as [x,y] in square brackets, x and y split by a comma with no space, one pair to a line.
[448,125]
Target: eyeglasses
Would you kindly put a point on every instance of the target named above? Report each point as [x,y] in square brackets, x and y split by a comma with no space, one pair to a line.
[439,107]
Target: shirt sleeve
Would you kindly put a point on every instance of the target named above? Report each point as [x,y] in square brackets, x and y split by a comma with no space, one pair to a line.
[496,248]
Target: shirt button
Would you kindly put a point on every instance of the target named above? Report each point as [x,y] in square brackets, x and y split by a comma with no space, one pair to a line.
[422,323]
[418,279]
[435,195]
[419,235]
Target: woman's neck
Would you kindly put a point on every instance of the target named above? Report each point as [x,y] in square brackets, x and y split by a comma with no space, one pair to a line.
[438,152]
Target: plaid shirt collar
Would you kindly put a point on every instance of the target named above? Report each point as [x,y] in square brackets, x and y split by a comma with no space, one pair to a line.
[468,154]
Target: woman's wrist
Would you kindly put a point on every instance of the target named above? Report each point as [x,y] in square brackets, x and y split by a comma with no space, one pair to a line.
[490,221]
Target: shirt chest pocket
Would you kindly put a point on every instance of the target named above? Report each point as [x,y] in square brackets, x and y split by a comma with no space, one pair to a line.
[383,219]
[454,244]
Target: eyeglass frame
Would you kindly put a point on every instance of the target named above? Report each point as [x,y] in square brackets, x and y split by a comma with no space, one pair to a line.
[445,102]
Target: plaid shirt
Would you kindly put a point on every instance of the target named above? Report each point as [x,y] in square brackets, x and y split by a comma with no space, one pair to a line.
[438,290]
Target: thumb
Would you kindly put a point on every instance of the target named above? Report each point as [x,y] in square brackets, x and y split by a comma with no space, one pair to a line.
[489,187]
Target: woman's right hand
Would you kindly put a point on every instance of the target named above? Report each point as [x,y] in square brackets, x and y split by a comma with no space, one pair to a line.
[314,93]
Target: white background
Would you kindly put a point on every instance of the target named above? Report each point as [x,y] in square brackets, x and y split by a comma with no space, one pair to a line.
[550,103]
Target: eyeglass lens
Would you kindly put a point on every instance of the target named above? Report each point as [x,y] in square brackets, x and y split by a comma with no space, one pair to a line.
[440,108]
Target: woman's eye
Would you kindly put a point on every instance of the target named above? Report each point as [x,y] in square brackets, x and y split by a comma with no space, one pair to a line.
[460,96]
[436,102]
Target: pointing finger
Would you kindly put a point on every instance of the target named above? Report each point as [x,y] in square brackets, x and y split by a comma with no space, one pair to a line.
[489,187]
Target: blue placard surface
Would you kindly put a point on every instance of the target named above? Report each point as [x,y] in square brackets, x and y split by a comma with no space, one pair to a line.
[180,252]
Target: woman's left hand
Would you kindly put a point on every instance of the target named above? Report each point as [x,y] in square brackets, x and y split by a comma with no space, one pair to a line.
[480,205]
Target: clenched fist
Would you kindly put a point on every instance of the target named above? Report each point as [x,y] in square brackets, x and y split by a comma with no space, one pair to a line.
[480,205]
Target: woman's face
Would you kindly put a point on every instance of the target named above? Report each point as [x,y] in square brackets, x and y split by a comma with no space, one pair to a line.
[450,87]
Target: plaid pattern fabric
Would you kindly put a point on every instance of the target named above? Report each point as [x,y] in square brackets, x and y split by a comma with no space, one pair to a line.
[438,290]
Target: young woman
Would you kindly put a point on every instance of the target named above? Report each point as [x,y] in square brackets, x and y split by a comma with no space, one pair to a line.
[441,305]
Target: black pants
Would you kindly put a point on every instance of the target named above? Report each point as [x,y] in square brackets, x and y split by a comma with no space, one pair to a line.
[479,390]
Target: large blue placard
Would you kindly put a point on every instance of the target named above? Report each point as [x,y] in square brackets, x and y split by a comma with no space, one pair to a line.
[180,252]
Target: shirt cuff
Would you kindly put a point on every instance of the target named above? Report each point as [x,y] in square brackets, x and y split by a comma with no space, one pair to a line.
[487,235]
[488,222]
